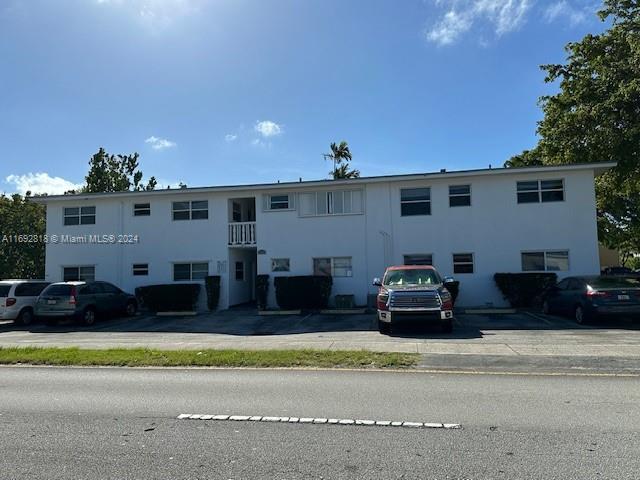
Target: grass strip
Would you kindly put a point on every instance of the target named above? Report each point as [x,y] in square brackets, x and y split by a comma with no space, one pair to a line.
[142,357]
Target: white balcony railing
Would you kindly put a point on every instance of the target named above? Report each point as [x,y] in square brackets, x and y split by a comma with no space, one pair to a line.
[242,233]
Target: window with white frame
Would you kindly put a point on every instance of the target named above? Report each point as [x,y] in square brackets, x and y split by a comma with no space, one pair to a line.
[333,266]
[280,265]
[140,269]
[80,215]
[190,271]
[419,259]
[141,209]
[84,273]
[415,201]
[279,202]
[459,195]
[193,210]
[463,263]
[536,191]
[546,260]
[335,202]
[240,271]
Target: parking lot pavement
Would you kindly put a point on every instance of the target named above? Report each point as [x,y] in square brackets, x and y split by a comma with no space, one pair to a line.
[498,335]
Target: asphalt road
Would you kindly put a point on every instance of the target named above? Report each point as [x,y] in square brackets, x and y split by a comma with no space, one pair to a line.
[71,423]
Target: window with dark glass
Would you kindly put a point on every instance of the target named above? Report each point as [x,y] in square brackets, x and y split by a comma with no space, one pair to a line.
[240,271]
[415,201]
[418,259]
[278,202]
[80,273]
[459,195]
[463,263]
[195,210]
[80,215]
[535,191]
[141,209]
[140,269]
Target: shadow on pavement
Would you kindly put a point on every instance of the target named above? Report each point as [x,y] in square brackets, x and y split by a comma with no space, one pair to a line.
[249,323]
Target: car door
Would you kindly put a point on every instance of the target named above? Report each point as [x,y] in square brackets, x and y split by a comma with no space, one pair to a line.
[555,296]
[575,290]
[115,298]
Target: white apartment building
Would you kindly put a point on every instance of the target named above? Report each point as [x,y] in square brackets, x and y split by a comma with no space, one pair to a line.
[469,224]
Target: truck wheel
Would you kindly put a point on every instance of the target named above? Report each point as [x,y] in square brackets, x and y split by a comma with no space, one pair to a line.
[131,309]
[447,326]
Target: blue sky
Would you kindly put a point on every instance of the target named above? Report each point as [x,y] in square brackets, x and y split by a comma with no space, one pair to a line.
[238,91]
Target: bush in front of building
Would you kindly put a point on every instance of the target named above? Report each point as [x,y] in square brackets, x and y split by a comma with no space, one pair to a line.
[174,297]
[262,288]
[212,287]
[303,292]
[523,290]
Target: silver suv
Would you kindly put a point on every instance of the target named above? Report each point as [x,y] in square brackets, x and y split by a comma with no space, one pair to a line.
[18,299]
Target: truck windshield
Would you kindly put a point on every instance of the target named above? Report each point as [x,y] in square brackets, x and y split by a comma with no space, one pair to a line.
[411,277]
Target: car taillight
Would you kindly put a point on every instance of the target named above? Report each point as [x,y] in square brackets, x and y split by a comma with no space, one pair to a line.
[72,298]
[597,293]
[381,301]
[447,304]
[10,302]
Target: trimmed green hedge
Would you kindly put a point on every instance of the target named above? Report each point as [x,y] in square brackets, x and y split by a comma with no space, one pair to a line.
[303,292]
[212,286]
[524,289]
[173,297]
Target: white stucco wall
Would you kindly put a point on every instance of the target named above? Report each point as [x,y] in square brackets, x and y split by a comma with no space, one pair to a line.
[495,228]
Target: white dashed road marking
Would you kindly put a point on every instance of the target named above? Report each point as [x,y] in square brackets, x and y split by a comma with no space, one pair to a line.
[317,421]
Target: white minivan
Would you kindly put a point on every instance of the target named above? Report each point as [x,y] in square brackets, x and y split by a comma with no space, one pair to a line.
[18,299]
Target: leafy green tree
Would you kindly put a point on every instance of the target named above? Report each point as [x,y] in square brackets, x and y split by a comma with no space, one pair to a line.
[341,156]
[115,173]
[595,117]
[21,257]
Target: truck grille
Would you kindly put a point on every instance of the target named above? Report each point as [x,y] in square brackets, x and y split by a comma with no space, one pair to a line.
[424,299]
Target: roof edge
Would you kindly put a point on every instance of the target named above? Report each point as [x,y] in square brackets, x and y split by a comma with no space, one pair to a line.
[597,167]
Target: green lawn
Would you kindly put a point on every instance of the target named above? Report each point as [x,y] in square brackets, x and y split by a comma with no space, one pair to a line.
[140,357]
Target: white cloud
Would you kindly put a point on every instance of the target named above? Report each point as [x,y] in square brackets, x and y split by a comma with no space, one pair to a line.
[159,143]
[230,137]
[41,182]
[154,14]
[267,128]
[504,16]
[563,9]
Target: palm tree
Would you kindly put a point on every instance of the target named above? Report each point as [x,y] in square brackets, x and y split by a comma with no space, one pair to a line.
[341,156]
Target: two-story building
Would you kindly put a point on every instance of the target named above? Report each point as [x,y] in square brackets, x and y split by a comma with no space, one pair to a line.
[469,224]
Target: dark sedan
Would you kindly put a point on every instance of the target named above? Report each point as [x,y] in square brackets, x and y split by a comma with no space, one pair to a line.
[587,298]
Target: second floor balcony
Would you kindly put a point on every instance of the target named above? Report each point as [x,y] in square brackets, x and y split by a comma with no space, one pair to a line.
[242,234]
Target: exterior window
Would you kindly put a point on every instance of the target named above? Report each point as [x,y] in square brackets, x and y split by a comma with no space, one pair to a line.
[459,195]
[415,201]
[339,202]
[278,202]
[536,191]
[280,265]
[80,273]
[80,215]
[196,210]
[190,271]
[140,269]
[463,263]
[419,259]
[141,209]
[551,261]
[240,271]
[334,267]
